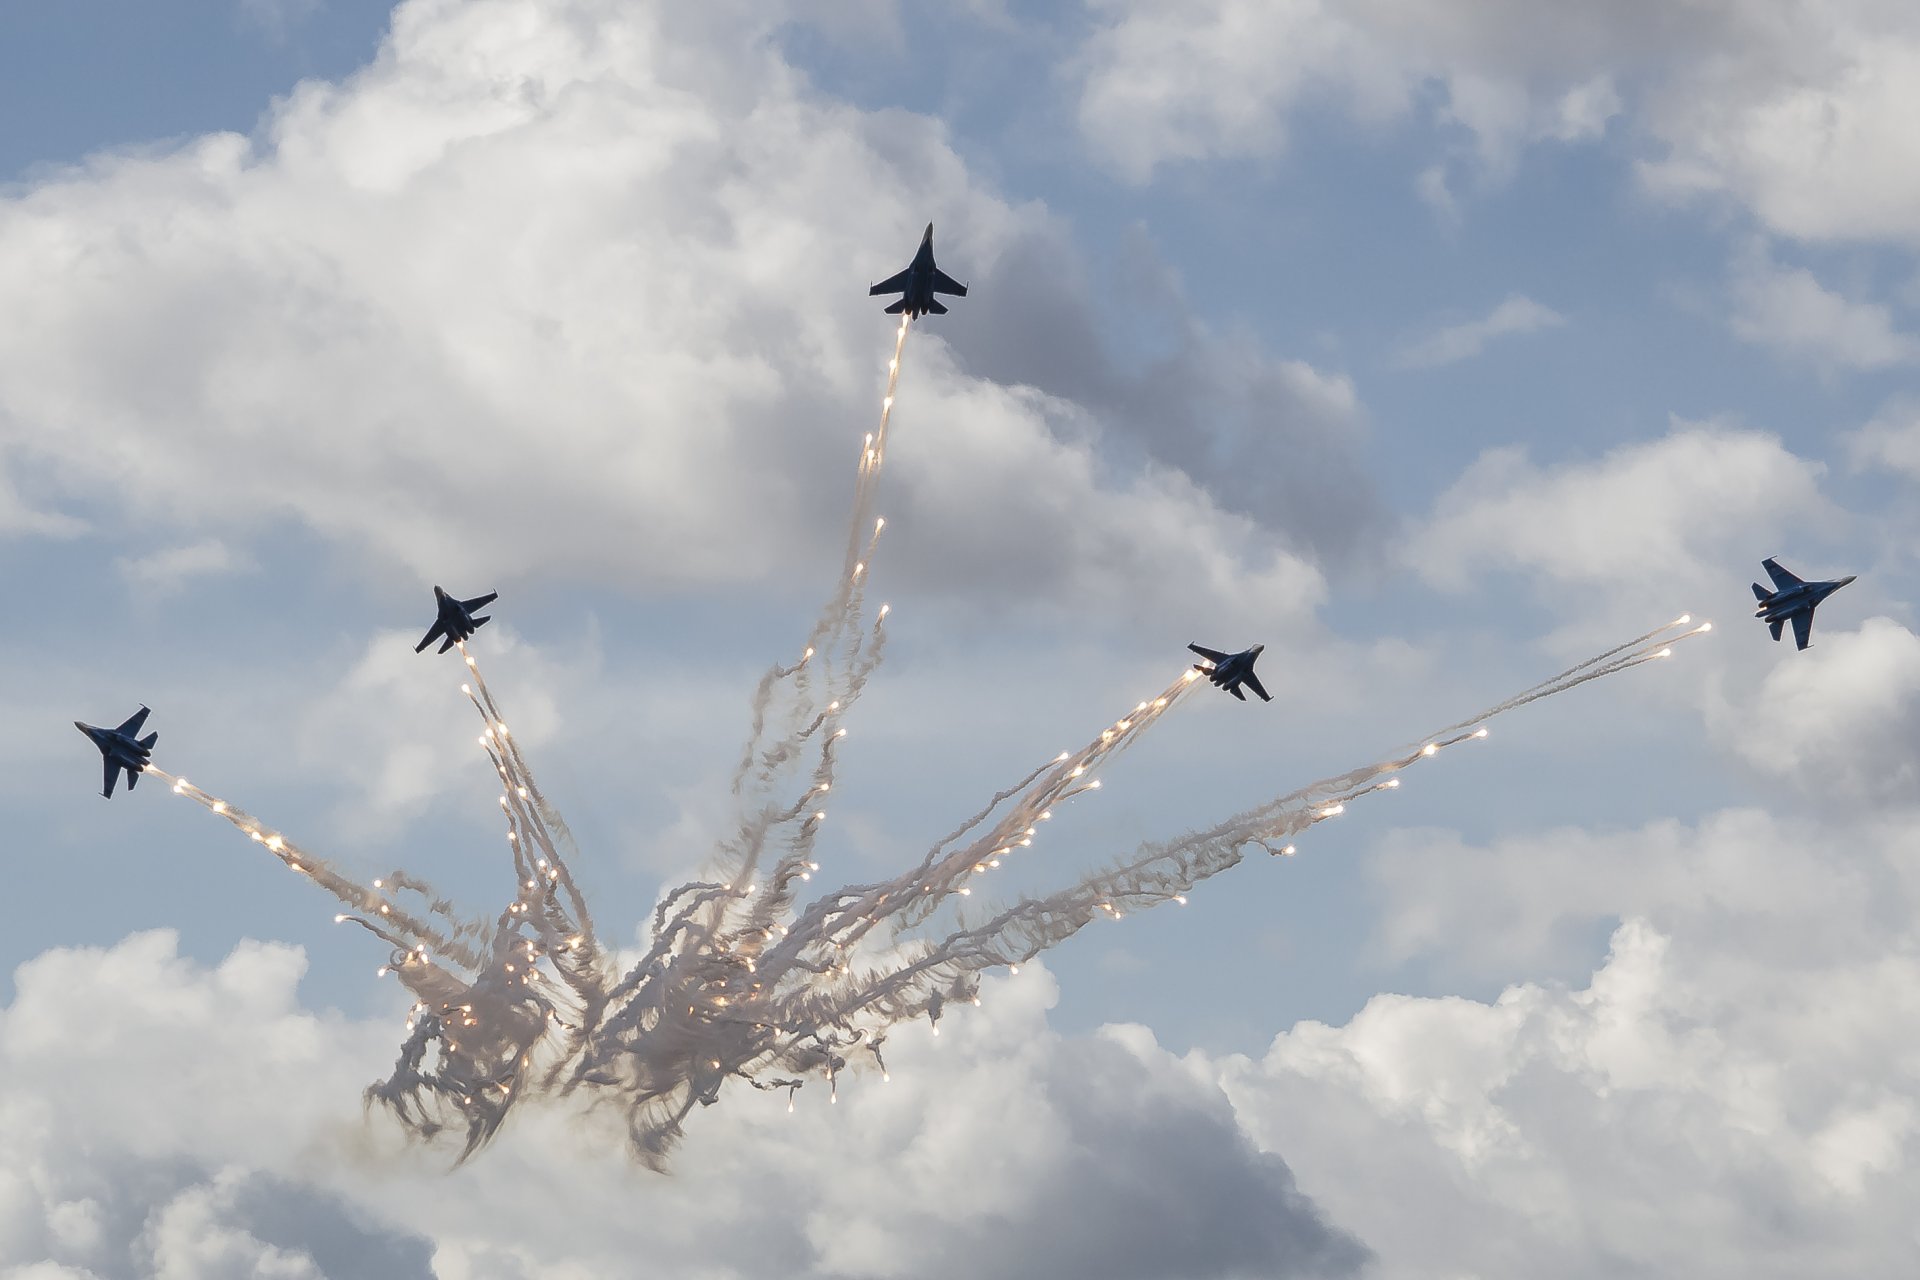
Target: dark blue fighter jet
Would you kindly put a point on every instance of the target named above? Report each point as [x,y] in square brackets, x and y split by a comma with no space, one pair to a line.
[1231,670]
[1792,600]
[918,283]
[121,750]
[456,621]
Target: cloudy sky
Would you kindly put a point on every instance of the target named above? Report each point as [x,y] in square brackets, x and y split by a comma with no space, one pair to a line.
[1437,347]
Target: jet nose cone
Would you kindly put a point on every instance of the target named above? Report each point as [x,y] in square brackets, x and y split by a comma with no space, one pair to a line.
[1258,649]
[928,235]
[1849,578]
[81,727]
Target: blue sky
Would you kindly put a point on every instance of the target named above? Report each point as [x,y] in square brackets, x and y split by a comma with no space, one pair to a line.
[1438,350]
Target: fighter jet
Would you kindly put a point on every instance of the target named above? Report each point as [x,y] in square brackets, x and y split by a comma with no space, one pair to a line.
[120,750]
[456,621]
[1230,671]
[918,283]
[1791,600]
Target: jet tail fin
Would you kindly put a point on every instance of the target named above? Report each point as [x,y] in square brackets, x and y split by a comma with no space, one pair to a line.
[1760,593]
[1775,627]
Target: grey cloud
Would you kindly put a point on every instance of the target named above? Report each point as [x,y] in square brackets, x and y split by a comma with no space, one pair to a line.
[111,1214]
[1273,439]
[1158,1181]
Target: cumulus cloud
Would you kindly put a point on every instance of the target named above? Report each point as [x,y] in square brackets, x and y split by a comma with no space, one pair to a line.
[243,1152]
[1798,112]
[1663,514]
[542,289]
[1690,1110]
[1518,314]
[1803,121]
[1839,722]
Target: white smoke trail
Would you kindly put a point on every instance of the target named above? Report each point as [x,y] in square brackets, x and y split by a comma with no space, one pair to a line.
[739,979]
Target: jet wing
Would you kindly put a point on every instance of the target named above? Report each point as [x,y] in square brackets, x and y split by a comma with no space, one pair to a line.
[1781,578]
[1253,683]
[437,629]
[1802,629]
[944,283]
[1211,655]
[480,602]
[892,284]
[131,726]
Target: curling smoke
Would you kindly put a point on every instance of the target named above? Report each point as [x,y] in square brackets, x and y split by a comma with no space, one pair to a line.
[738,978]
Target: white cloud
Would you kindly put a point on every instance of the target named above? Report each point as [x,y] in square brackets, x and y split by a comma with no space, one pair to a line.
[1656,517]
[20,517]
[278,17]
[170,568]
[542,290]
[1799,111]
[1518,314]
[214,1127]
[1690,1111]
[1890,441]
[1788,310]
[1530,902]
[1805,122]
[385,730]
[1216,78]
[1839,721]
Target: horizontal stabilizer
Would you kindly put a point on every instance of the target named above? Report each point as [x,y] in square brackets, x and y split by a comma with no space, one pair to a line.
[1760,593]
[936,307]
[146,743]
[897,307]
[1775,626]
